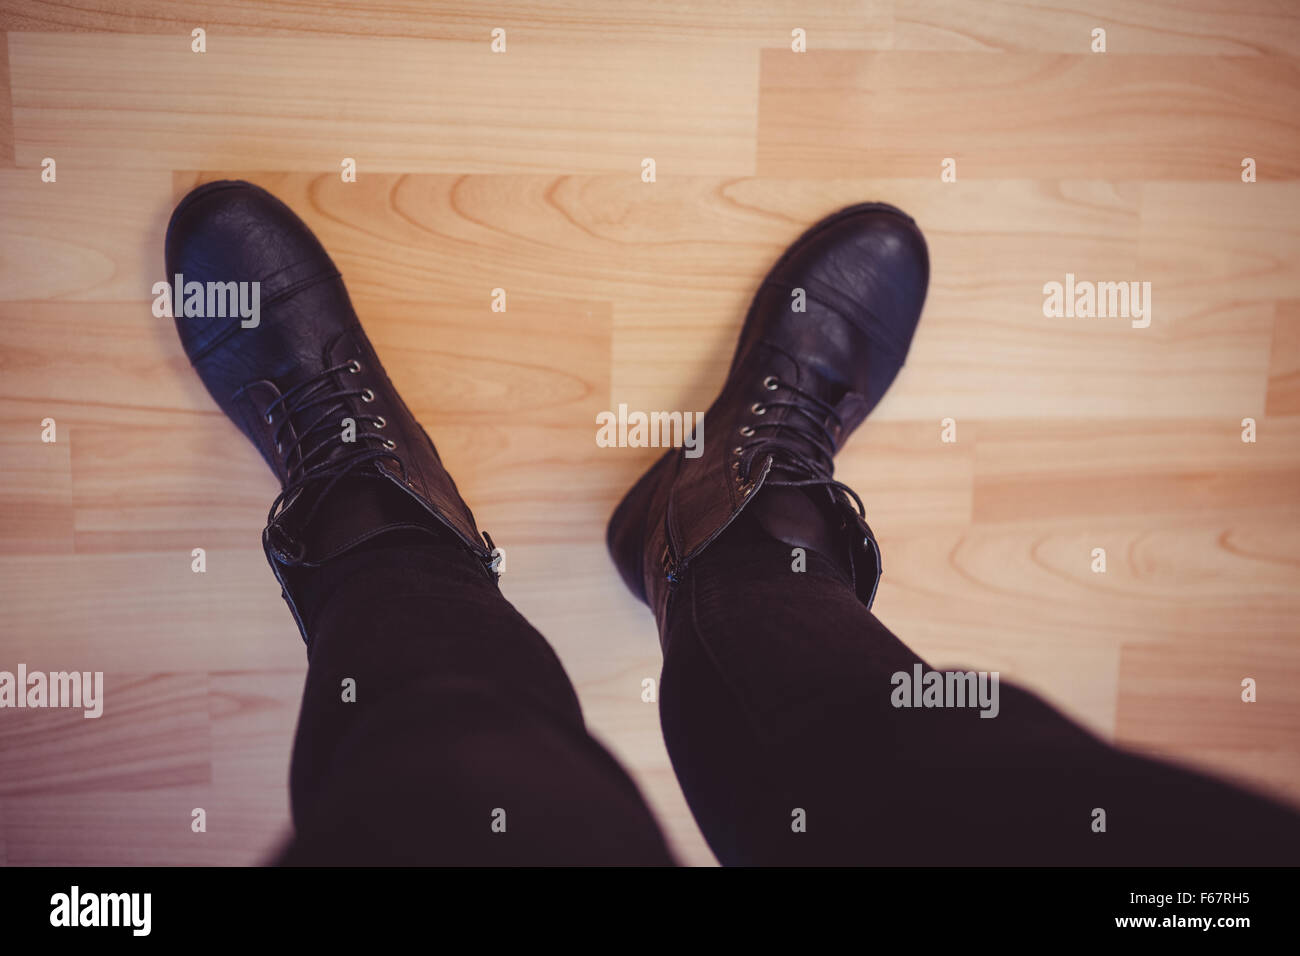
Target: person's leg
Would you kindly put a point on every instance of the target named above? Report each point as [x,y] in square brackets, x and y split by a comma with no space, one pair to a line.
[779,685]
[437,726]
[777,696]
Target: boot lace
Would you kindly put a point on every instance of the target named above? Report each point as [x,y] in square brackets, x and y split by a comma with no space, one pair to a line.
[802,446]
[319,453]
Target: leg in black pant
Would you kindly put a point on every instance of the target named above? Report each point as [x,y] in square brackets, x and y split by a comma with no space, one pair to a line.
[462,714]
[776,695]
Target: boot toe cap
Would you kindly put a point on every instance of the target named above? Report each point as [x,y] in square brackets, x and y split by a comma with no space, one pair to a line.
[231,231]
[869,262]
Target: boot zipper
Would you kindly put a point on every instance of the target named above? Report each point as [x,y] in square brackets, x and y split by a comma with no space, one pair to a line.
[493,560]
[672,571]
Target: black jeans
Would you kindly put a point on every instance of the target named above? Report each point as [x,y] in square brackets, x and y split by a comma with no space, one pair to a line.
[465,743]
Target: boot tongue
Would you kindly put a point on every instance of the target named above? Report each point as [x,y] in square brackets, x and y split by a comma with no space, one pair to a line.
[359,507]
[798,446]
[326,443]
[850,406]
[811,516]
[801,517]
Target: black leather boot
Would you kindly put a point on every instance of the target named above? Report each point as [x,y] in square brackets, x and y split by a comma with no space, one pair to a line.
[291,376]
[799,384]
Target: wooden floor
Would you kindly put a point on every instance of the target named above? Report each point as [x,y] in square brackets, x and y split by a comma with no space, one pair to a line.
[522,171]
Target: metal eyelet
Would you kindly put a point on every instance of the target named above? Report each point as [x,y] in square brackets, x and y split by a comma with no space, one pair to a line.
[746,430]
[367,395]
[770,383]
[380,421]
[737,450]
[735,466]
[389,444]
[758,409]
[354,366]
[269,419]
[279,447]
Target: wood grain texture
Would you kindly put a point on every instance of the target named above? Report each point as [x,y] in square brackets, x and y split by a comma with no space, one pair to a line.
[1284,367]
[850,24]
[390,104]
[6,106]
[1106,116]
[1201,27]
[522,172]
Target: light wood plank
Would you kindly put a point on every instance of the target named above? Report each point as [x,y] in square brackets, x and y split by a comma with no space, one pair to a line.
[1040,115]
[390,104]
[1244,28]
[850,24]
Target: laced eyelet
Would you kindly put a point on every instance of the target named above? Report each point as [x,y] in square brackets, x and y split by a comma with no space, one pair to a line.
[770,383]
[746,430]
[758,409]
[367,395]
[354,366]
[380,421]
[389,444]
